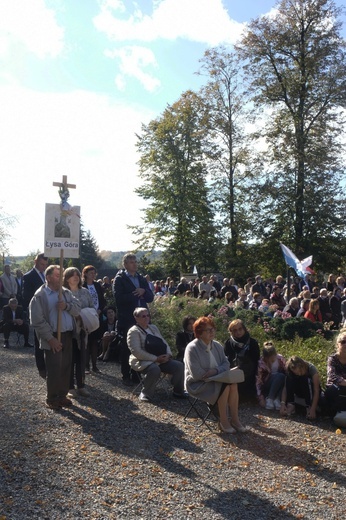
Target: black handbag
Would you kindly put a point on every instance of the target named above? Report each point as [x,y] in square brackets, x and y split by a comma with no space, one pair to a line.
[154,345]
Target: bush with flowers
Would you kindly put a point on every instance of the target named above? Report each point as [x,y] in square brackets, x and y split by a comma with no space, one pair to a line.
[292,336]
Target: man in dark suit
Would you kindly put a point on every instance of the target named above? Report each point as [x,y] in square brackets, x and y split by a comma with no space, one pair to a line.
[33,280]
[131,290]
[13,320]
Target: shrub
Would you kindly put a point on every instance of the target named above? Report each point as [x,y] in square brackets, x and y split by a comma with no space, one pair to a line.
[293,336]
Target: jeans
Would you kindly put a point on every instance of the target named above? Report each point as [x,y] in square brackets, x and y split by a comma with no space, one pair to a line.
[272,388]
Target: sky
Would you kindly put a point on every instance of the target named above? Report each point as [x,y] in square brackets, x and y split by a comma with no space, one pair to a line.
[78,78]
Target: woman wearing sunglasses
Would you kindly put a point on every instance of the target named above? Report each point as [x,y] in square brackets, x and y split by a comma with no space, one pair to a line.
[204,358]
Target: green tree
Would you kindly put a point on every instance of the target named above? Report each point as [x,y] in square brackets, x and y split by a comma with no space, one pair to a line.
[297,66]
[173,171]
[231,163]
[89,251]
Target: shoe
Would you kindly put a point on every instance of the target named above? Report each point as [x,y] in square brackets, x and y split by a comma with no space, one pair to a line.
[6,344]
[28,345]
[53,405]
[184,395]
[83,392]
[127,382]
[72,393]
[226,430]
[240,428]
[143,397]
[96,370]
[100,358]
[43,373]
[65,402]
[269,404]
[277,404]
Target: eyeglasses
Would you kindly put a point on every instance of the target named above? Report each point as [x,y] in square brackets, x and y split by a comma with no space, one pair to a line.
[208,330]
[342,342]
[145,316]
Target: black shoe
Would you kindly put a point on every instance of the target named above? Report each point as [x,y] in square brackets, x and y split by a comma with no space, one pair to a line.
[28,345]
[6,344]
[43,373]
[184,395]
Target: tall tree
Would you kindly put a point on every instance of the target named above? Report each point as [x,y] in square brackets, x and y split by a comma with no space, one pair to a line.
[297,65]
[229,150]
[173,173]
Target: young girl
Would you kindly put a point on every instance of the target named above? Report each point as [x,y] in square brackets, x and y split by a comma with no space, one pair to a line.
[270,378]
[302,386]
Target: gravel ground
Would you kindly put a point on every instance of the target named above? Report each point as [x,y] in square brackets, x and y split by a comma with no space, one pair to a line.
[113,457]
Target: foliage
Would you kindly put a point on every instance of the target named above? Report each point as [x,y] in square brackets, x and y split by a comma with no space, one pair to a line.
[229,148]
[168,315]
[173,173]
[297,65]
[6,221]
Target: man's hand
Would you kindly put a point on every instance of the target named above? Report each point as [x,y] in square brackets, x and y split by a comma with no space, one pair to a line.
[62,305]
[139,292]
[18,321]
[55,345]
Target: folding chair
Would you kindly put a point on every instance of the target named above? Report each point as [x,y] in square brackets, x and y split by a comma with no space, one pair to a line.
[203,411]
[162,383]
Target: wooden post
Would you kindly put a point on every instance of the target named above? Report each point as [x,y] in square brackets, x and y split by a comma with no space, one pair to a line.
[64,195]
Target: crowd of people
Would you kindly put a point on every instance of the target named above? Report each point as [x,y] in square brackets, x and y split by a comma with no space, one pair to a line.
[79,321]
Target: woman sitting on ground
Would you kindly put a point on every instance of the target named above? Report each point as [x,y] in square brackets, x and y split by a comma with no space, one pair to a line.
[184,337]
[303,387]
[151,365]
[314,313]
[109,340]
[336,376]
[271,375]
[204,358]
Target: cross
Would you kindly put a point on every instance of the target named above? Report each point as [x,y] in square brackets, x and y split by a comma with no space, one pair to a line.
[63,188]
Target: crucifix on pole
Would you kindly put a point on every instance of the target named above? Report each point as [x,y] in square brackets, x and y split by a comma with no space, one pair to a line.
[64,195]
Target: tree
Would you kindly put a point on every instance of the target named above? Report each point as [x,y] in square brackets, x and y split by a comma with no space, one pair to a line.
[229,151]
[297,65]
[5,222]
[173,173]
[89,251]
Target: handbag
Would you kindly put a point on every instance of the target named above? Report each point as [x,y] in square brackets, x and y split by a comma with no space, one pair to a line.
[154,345]
[234,375]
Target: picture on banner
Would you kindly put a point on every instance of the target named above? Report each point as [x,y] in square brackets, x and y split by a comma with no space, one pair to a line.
[62,231]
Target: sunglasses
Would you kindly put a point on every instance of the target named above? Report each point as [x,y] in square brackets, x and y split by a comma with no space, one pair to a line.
[342,342]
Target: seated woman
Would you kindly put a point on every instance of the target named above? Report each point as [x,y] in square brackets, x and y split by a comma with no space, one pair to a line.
[205,358]
[336,376]
[271,375]
[243,351]
[303,387]
[109,340]
[149,364]
[314,313]
[184,336]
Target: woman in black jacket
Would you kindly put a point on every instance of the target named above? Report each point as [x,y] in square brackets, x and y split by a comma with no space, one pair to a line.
[243,351]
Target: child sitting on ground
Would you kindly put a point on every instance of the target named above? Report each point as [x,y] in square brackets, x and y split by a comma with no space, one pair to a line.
[271,375]
[303,387]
